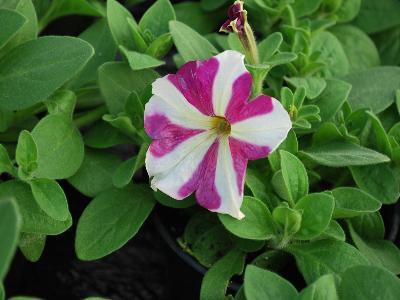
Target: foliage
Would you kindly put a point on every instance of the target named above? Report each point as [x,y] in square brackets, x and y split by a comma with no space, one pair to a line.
[67,105]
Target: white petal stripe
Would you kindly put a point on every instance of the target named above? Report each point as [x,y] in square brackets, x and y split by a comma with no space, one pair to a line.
[231,66]
[165,163]
[158,106]
[264,130]
[176,102]
[225,182]
[172,179]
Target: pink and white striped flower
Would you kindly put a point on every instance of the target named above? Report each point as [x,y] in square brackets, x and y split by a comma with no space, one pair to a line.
[204,130]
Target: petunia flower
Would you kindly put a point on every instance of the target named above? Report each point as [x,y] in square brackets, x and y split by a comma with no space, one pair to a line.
[204,130]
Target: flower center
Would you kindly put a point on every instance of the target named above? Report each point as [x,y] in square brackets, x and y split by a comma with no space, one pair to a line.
[221,125]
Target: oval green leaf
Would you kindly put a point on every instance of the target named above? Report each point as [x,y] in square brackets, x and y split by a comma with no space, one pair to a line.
[257,223]
[52,59]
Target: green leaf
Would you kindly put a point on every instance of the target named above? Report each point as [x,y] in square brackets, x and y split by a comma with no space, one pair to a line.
[389,46]
[216,280]
[34,220]
[280,58]
[343,154]
[190,44]
[332,98]
[277,288]
[10,223]
[322,289]
[50,197]
[348,10]
[331,53]
[351,202]
[52,59]
[334,231]
[112,219]
[32,245]
[360,50]
[314,85]
[62,102]
[255,182]
[62,8]
[317,211]
[382,139]
[126,170]
[171,202]
[280,187]
[140,61]
[360,282]
[29,30]
[378,16]
[194,16]
[322,257]
[289,218]
[5,162]
[160,46]
[369,226]
[24,298]
[26,152]
[102,135]
[2,292]
[155,20]
[294,176]
[99,36]
[134,107]
[124,124]
[10,22]
[210,5]
[268,46]
[380,253]
[210,245]
[374,88]
[305,7]
[117,18]
[60,147]
[96,172]
[117,81]
[257,223]
[370,179]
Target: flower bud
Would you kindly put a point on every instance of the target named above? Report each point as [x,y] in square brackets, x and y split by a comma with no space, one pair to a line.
[237,17]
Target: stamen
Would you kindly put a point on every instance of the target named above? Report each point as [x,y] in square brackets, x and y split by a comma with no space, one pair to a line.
[221,125]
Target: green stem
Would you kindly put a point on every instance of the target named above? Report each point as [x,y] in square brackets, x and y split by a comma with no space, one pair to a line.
[91,116]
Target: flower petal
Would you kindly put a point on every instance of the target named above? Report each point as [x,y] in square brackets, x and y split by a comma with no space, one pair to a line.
[221,189]
[232,84]
[165,134]
[172,170]
[175,112]
[169,101]
[261,125]
[195,81]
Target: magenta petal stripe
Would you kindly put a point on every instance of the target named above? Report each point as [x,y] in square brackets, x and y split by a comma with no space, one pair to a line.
[202,180]
[167,136]
[249,151]
[241,90]
[261,105]
[195,81]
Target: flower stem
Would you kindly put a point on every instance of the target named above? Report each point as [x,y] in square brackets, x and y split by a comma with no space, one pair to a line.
[91,116]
